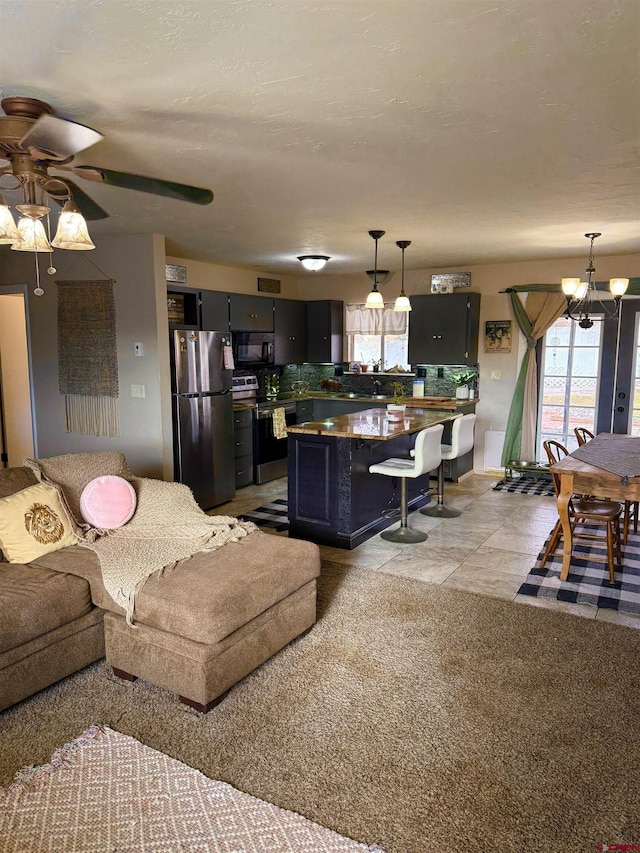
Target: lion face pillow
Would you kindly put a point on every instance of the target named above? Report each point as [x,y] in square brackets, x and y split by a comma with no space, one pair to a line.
[34,522]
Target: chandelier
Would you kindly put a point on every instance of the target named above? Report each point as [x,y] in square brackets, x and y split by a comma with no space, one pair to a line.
[582,296]
[32,233]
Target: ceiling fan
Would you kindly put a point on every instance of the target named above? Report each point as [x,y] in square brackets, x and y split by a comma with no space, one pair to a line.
[34,141]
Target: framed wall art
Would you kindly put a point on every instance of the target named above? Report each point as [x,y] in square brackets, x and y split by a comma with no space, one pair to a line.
[497,336]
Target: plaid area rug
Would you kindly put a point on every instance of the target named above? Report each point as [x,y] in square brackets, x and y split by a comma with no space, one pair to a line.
[525,486]
[588,580]
[272,515]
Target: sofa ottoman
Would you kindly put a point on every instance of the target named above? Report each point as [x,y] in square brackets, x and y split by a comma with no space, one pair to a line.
[206,624]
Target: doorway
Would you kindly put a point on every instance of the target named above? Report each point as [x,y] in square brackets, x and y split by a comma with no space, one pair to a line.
[590,377]
[16,412]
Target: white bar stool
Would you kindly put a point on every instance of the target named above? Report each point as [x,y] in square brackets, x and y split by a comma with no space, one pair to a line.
[461,443]
[426,457]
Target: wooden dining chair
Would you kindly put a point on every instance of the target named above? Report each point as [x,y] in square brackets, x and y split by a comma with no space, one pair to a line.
[630,507]
[585,515]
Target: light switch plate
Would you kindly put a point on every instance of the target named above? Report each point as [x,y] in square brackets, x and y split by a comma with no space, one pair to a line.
[496,374]
[137,348]
[137,390]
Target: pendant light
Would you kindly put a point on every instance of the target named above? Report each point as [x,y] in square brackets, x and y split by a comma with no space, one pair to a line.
[582,297]
[402,302]
[374,299]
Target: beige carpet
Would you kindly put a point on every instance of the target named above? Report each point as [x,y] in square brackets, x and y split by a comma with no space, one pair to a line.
[154,803]
[414,716]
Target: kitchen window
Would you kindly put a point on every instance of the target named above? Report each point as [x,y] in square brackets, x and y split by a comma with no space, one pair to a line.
[377,336]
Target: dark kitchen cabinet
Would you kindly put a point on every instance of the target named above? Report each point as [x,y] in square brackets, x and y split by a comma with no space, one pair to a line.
[250,313]
[290,327]
[243,446]
[214,311]
[443,328]
[324,331]
[183,308]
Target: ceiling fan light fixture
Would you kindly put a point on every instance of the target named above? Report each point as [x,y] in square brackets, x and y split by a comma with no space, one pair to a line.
[8,231]
[31,236]
[72,233]
[313,262]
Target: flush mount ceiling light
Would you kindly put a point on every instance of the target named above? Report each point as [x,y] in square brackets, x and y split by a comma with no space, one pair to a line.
[374,299]
[402,302]
[582,296]
[313,262]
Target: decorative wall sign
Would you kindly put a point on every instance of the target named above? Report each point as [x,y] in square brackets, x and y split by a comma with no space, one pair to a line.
[268,285]
[175,273]
[497,336]
[445,282]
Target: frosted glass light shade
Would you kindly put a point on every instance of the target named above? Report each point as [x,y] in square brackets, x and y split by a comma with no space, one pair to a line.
[618,286]
[582,289]
[313,262]
[570,285]
[8,231]
[374,300]
[31,236]
[402,304]
[72,230]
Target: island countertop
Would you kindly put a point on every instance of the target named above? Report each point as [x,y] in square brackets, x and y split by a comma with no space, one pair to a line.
[373,424]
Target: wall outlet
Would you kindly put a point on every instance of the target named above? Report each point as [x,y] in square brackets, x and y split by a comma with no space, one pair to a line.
[137,390]
[137,348]
[496,374]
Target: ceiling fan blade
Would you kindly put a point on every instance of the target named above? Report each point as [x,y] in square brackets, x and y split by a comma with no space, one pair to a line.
[88,207]
[155,186]
[59,138]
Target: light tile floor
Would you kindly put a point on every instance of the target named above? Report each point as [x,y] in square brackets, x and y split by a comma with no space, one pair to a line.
[489,549]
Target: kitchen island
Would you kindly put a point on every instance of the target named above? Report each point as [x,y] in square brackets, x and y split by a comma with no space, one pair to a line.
[333,499]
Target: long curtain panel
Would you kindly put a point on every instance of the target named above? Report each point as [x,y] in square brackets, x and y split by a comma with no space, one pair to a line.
[541,312]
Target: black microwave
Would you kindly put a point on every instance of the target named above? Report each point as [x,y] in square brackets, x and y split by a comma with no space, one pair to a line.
[253,349]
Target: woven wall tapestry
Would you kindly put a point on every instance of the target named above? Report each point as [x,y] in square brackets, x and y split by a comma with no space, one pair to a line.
[88,356]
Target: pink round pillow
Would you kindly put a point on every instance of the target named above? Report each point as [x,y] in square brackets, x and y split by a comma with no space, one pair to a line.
[107,502]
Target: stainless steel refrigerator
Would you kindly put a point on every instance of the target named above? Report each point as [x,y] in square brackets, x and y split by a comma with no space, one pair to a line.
[203,415]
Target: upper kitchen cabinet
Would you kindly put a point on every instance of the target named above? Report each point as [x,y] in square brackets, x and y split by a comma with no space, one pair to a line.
[182,308]
[250,313]
[290,327]
[443,329]
[324,331]
[214,311]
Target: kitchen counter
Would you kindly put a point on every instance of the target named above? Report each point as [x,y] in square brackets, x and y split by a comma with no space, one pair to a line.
[371,424]
[333,499]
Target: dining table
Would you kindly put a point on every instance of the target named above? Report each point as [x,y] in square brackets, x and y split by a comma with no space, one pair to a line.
[579,474]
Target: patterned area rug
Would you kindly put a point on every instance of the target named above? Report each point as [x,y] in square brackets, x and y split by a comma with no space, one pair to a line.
[588,580]
[525,486]
[153,803]
[272,515]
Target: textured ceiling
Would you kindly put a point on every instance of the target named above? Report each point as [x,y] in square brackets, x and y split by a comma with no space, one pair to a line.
[481,130]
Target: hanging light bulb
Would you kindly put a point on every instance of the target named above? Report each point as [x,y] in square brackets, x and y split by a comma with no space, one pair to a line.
[374,299]
[402,302]
[8,231]
[72,230]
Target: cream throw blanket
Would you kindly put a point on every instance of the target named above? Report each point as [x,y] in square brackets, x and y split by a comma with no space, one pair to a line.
[167,527]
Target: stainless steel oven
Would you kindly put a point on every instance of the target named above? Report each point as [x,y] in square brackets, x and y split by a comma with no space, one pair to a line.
[269,452]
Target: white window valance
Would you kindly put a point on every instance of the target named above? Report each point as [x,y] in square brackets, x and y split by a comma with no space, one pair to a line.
[374,321]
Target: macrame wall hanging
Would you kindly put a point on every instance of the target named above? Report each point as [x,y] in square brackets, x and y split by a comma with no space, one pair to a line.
[88,357]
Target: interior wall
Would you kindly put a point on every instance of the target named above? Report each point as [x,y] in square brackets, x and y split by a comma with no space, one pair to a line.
[203,276]
[15,379]
[133,263]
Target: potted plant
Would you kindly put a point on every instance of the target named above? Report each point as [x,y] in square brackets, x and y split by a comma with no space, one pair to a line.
[462,381]
[396,405]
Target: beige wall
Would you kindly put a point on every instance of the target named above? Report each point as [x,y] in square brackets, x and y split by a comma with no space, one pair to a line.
[202,276]
[15,379]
